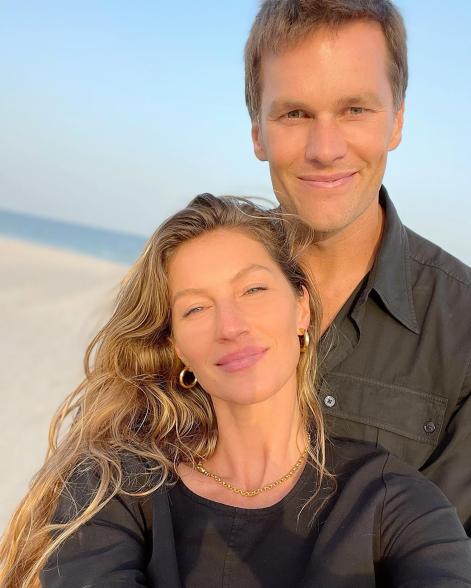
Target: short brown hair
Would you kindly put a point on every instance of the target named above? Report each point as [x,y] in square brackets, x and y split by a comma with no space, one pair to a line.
[281,24]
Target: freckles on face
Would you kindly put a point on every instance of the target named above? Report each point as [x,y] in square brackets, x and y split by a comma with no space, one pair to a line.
[327,123]
[235,317]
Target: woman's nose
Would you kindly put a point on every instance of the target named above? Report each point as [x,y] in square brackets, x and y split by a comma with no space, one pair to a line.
[231,321]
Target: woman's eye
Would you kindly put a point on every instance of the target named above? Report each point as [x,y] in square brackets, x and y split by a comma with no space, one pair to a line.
[255,289]
[193,310]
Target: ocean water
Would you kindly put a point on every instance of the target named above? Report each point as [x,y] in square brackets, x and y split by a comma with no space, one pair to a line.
[102,243]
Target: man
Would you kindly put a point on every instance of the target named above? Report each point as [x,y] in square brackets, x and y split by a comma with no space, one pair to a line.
[325,88]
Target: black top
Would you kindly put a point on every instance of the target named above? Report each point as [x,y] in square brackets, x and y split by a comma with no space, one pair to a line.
[385,525]
[398,371]
[220,545]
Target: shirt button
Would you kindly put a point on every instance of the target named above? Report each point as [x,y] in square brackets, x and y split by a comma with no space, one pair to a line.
[430,427]
[329,401]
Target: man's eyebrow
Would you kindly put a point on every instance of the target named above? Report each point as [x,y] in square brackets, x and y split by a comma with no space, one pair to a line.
[252,267]
[368,98]
[287,105]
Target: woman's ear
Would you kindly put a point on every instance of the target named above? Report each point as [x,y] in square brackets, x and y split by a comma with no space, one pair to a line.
[177,350]
[304,310]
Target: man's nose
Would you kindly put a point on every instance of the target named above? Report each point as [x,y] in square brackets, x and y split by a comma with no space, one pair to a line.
[230,321]
[326,143]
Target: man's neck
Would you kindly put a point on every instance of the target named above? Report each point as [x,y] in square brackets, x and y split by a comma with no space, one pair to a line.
[338,262]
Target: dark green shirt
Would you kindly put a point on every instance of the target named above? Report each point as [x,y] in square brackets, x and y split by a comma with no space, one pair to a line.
[396,362]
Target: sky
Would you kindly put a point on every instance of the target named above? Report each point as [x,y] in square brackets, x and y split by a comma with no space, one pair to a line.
[114,114]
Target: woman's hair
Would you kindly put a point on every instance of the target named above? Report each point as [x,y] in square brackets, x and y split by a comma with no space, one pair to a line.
[131,403]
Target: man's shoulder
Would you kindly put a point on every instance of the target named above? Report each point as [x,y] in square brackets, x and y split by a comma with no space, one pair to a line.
[436,263]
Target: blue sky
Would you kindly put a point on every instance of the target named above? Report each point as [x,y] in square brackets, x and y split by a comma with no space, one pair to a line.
[115,114]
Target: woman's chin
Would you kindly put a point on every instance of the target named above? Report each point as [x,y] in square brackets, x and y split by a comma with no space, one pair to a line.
[245,396]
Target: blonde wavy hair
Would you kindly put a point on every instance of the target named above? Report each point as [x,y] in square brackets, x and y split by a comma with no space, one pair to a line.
[131,403]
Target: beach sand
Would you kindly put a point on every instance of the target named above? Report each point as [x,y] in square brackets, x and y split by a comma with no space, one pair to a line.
[51,303]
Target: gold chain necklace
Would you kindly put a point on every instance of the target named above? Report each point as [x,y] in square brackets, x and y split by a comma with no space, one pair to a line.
[250,493]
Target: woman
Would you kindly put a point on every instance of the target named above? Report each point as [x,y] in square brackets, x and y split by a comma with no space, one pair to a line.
[195,453]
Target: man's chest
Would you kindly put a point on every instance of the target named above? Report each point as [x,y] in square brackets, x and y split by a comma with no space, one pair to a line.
[390,386]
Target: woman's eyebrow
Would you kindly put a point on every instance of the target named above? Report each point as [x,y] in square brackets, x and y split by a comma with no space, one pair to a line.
[186,291]
[250,268]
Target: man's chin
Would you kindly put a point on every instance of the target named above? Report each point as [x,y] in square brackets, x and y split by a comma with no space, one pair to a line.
[329,217]
[323,225]
[326,225]
[326,232]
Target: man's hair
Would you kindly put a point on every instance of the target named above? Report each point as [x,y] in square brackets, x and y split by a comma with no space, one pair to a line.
[281,24]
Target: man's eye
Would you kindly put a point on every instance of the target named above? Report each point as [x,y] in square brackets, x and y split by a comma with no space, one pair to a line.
[356,110]
[295,114]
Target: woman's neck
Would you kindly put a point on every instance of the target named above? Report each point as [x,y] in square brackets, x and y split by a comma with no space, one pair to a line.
[257,444]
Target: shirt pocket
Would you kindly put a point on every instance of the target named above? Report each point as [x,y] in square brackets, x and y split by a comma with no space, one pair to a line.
[404,421]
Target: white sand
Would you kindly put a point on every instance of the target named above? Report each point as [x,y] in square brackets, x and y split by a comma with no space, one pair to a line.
[51,303]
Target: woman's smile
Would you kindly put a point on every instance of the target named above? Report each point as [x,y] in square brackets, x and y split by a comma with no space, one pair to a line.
[241,359]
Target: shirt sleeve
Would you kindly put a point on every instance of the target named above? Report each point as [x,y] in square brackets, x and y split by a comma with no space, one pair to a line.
[109,551]
[423,541]
[450,465]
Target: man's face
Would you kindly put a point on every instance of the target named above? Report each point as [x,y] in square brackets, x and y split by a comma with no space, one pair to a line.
[327,121]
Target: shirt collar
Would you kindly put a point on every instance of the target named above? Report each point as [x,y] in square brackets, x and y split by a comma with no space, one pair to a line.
[390,276]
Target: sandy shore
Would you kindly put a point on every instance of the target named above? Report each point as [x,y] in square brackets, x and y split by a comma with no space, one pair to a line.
[51,303]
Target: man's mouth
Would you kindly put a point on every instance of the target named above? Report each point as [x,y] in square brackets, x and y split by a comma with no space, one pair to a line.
[328,181]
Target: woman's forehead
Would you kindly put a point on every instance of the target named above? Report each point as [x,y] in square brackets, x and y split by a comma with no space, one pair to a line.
[223,254]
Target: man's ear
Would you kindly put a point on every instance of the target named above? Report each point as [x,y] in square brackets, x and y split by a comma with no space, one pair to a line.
[257,141]
[396,135]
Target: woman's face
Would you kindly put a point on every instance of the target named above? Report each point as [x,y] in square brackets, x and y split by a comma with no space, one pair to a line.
[235,317]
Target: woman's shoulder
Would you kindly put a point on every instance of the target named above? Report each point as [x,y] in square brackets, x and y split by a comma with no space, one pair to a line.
[131,481]
[398,492]
[359,465]
[348,456]
[386,507]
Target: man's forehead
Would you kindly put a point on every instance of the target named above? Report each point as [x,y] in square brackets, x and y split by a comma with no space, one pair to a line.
[327,39]
[353,69]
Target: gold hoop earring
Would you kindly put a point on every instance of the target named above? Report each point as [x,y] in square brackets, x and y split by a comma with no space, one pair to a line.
[181,378]
[304,341]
